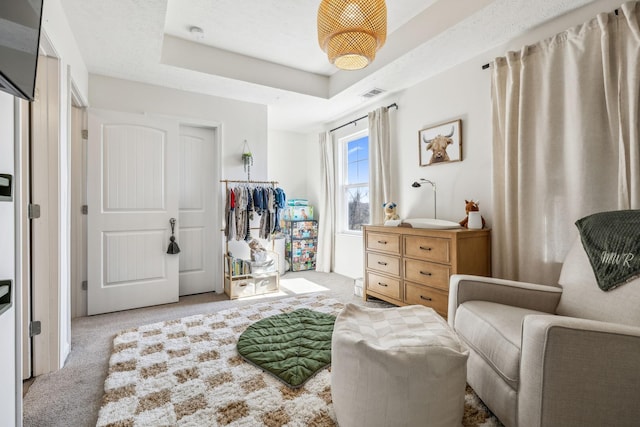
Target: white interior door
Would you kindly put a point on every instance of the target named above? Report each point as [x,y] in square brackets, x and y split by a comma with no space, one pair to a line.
[132,192]
[197,210]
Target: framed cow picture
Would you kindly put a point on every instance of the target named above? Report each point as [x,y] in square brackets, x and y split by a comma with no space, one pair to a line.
[441,143]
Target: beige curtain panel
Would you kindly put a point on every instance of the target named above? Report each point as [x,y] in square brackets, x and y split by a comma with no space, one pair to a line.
[565,140]
[327,210]
[379,161]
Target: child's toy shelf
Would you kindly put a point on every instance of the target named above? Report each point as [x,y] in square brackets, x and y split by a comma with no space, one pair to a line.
[301,243]
[244,278]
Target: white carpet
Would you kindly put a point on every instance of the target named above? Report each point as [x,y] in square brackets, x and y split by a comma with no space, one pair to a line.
[187,372]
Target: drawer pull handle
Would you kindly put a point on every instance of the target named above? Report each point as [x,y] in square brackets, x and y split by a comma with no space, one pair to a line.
[425,298]
[425,248]
[382,242]
[382,263]
[242,285]
[426,273]
[382,284]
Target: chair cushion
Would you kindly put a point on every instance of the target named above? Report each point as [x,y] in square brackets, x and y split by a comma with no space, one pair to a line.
[494,331]
[581,296]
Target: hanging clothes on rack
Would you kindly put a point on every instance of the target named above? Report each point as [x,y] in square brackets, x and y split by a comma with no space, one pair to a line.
[281,203]
[247,199]
[268,222]
[242,216]
[250,215]
[229,229]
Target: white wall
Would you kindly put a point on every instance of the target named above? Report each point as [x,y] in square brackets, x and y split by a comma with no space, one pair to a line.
[238,120]
[287,159]
[8,341]
[57,31]
[461,92]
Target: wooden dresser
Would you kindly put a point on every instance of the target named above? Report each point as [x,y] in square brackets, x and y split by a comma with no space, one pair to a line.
[412,265]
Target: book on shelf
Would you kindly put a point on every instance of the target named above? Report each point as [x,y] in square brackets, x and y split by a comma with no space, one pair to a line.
[240,267]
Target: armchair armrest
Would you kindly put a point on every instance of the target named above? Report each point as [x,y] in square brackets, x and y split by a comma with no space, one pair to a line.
[578,372]
[509,292]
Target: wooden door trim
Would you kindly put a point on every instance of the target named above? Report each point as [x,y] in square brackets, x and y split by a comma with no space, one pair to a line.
[23,236]
[45,234]
[78,240]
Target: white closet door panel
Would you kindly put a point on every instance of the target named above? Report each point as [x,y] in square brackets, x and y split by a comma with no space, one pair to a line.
[132,192]
[192,168]
[197,224]
[192,256]
[134,167]
[133,256]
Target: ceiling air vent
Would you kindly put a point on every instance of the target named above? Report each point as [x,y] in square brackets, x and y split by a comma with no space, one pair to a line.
[373,92]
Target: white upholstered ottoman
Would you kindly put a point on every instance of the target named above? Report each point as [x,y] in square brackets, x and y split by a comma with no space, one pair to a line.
[396,367]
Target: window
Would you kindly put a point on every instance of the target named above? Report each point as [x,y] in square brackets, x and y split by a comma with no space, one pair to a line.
[354,182]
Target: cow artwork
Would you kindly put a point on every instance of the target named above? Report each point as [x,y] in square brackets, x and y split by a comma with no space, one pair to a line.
[438,147]
[440,144]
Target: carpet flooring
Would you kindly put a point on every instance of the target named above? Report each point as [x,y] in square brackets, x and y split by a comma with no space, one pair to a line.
[187,372]
[78,387]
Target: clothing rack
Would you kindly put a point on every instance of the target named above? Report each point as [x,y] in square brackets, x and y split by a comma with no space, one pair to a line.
[244,181]
[354,121]
[248,284]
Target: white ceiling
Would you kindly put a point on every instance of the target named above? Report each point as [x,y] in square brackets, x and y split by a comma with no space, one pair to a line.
[266,51]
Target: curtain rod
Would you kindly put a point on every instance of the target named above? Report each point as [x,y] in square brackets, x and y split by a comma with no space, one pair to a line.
[485,66]
[353,122]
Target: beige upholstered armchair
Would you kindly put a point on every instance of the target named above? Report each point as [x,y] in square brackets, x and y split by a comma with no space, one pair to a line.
[552,356]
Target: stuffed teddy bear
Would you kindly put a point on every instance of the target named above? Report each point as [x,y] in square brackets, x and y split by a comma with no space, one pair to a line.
[390,211]
[258,252]
[471,206]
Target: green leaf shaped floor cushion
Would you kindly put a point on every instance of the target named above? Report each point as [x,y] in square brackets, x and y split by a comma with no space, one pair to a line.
[292,346]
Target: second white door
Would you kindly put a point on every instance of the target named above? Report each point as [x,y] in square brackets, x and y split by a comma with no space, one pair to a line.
[197,210]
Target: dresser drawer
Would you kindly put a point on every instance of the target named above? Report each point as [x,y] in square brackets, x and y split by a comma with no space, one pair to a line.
[430,297]
[383,263]
[389,243]
[427,273]
[428,248]
[383,285]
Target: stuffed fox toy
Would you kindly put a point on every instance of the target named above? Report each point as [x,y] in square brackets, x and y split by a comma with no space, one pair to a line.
[471,206]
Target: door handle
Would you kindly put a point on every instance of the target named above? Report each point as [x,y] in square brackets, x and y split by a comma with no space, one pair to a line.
[173,245]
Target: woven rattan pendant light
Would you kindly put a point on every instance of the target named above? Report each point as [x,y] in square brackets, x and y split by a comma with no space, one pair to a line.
[352,31]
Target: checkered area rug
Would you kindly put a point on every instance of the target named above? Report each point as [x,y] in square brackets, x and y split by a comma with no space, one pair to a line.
[187,372]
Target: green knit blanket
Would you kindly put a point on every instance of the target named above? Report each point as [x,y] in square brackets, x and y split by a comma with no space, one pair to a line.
[291,346]
[612,243]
